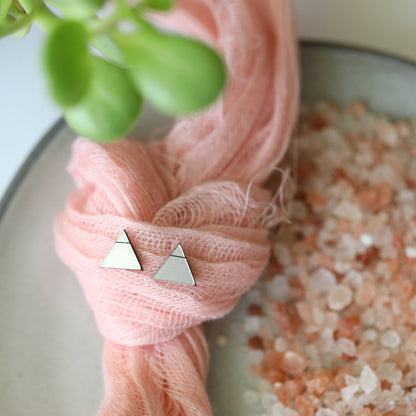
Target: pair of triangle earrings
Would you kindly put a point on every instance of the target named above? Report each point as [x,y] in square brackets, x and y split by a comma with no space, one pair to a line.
[174,269]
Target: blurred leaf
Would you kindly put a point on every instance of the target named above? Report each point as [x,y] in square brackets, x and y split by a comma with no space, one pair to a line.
[161,5]
[4,8]
[18,12]
[104,44]
[22,32]
[109,108]
[77,9]
[17,23]
[11,20]
[177,75]
[68,62]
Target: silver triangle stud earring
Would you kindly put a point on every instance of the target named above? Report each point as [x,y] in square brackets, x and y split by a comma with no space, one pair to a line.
[122,255]
[176,269]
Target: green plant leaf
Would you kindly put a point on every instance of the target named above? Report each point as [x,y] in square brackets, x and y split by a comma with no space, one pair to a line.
[67,62]
[77,9]
[161,5]
[110,107]
[177,75]
[106,45]
[4,8]
[12,23]
[22,32]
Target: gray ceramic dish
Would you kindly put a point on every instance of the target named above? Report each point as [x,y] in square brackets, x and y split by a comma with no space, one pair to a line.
[50,350]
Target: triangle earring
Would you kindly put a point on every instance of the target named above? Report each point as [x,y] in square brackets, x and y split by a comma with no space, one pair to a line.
[122,255]
[176,269]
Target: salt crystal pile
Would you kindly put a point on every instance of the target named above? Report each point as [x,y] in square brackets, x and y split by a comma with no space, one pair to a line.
[341,284]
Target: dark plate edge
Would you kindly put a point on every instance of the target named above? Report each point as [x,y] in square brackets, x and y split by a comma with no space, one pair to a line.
[60,124]
[27,164]
[351,47]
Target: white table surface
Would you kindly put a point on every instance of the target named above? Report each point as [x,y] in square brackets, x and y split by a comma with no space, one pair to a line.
[26,111]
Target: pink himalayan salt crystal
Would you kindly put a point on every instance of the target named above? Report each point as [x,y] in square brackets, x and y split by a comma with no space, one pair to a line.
[354,279]
[365,294]
[325,412]
[251,397]
[370,256]
[346,346]
[322,280]
[387,133]
[280,344]
[410,379]
[347,393]
[282,253]
[390,339]
[411,360]
[369,335]
[410,251]
[403,128]
[379,356]
[357,108]
[304,406]
[368,380]
[330,398]
[222,340]
[304,310]
[385,369]
[348,210]
[288,412]
[293,363]
[339,297]
[318,386]
[367,240]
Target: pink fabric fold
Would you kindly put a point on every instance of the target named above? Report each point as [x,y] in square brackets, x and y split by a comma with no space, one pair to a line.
[200,187]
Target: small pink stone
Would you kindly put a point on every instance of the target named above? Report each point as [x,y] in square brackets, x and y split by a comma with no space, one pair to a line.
[357,108]
[222,340]
[339,297]
[365,294]
[293,363]
[403,129]
[390,339]
[387,133]
[368,380]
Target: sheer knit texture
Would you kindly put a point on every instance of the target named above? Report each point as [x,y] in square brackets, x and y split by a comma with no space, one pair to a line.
[201,187]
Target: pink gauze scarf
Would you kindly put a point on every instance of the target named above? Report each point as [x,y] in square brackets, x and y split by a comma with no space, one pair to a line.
[201,187]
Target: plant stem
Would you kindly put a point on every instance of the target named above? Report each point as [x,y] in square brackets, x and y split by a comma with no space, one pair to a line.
[13,27]
[98,26]
[46,20]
